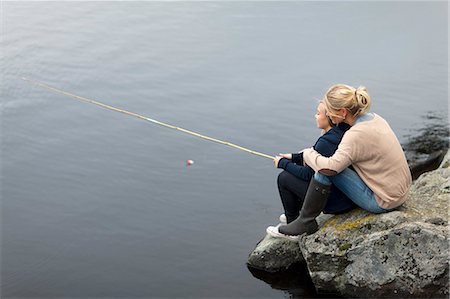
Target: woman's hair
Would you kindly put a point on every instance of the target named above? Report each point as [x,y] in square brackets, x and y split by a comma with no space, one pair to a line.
[356,100]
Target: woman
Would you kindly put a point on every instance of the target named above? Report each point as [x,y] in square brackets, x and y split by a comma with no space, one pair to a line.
[381,180]
[294,180]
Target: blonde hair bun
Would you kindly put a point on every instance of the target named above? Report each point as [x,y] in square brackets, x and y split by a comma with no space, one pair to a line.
[363,99]
[355,100]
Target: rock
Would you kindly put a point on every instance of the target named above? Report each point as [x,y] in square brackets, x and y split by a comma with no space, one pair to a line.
[403,253]
[431,162]
[274,254]
[409,258]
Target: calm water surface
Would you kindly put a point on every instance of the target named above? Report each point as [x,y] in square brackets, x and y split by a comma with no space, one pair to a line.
[96,204]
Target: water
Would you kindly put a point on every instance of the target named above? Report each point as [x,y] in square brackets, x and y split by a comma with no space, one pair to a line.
[96,204]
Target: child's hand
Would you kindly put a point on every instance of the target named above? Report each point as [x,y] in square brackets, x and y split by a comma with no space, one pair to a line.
[276,160]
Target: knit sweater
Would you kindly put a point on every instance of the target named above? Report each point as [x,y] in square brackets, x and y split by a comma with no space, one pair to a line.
[375,153]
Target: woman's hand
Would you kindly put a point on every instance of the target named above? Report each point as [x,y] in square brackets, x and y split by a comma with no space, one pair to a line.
[287,156]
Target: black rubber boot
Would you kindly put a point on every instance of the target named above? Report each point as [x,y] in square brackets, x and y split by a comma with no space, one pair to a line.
[315,201]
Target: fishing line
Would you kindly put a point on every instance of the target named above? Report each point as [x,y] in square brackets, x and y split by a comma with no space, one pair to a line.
[86,100]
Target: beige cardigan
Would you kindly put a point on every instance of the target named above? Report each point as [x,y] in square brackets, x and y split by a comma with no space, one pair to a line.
[374,151]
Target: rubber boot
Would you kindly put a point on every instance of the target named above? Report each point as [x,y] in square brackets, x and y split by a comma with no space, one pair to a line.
[315,201]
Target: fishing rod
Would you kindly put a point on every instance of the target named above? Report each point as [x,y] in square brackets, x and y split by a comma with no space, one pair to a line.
[86,100]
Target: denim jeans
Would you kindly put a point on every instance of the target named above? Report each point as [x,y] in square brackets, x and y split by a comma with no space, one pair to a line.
[349,182]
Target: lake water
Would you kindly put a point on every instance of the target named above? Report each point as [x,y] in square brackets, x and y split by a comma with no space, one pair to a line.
[97,204]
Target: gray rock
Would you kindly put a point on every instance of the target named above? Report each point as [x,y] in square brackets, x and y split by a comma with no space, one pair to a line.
[401,253]
[411,258]
[404,253]
[408,259]
[272,254]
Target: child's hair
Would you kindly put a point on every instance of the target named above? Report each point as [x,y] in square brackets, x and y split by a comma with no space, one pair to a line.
[356,100]
[330,122]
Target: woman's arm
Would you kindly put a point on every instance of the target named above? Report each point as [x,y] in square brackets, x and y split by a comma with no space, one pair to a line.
[339,161]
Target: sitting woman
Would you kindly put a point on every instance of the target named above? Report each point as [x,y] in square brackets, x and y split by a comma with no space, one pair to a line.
[294,180]
[381,177]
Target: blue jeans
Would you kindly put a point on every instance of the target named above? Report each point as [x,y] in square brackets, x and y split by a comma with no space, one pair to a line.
[349,182]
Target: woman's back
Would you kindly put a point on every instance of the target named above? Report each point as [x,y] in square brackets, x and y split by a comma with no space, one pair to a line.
[378,158]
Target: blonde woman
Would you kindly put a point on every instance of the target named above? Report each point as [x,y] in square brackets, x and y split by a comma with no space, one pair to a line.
[382,178]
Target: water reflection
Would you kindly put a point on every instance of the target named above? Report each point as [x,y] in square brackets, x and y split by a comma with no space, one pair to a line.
[295,282]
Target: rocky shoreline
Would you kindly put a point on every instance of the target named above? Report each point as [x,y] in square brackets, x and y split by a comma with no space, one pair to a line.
[403,253]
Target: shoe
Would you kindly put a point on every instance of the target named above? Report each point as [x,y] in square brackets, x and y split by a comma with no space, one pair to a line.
[283,219]
[315,201]
[273,231]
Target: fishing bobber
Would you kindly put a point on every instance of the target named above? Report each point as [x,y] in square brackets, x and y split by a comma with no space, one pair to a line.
[189,162]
